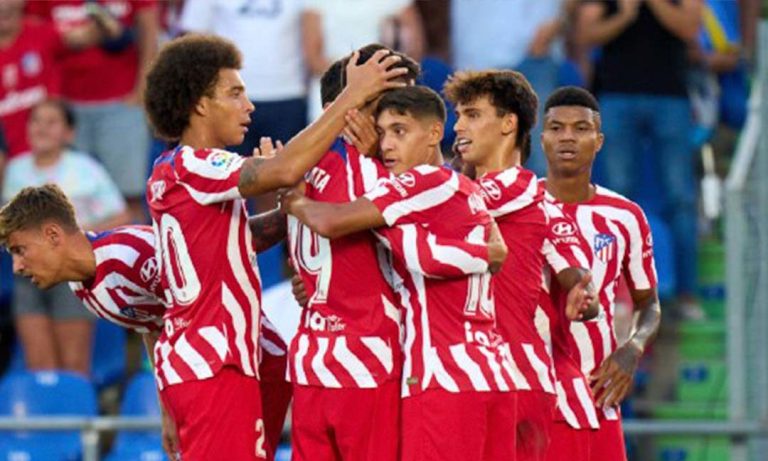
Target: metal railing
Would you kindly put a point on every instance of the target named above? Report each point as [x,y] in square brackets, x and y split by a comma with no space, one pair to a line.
[746,243]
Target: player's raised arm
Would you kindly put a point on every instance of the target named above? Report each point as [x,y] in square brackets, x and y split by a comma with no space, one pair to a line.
[303,151]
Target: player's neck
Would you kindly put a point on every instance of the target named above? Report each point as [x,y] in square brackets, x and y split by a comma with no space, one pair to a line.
[81,260]
[573,189]
[502,160]
[199,137]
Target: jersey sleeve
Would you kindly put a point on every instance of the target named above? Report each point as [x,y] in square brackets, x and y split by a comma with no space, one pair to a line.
[639,266]
[563,246]
[411,197]
[447,257]
[210,175]
[510,191]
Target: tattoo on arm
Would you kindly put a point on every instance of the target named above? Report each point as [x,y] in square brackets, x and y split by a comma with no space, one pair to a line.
[268,229]
[249,176]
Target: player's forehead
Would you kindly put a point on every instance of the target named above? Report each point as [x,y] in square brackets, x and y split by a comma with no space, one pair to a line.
[389,118]
[228,79]
[569,114]
[24,236]
[481,102]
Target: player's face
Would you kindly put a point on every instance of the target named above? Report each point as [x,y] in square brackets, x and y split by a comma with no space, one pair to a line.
[228,109]
[36,255]
[480,130]
[406,142]
[47,130]
[570,139]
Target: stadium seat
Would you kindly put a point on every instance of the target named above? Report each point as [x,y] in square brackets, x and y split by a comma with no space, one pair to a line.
[108,359]
[45,393]
[140,399]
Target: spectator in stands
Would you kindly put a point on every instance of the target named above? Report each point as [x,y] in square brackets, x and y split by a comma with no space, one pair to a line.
[54,329]
[105,84]
[269,35]
[331,29]
[640,79]
[512,34]
[30,50]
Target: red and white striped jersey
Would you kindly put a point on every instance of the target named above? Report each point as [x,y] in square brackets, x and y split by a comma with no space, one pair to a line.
[126,286]
[621,244]
[208,270]
[451,341]
[537,235]
[349,334]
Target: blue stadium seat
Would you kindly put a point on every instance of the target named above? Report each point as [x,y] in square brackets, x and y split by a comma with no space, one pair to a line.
[45,393]
[140,399]
[108,359]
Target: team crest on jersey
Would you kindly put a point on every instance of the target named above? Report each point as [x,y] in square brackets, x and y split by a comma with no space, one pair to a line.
[605,247]
[221,159]
[491,189]
[31,64]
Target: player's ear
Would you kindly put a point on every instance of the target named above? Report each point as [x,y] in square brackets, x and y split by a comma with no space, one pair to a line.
[509,124]
[436,132]
[600,140]
[201,108]
[52,233]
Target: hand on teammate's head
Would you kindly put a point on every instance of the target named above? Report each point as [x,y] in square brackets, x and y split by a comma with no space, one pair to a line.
[366,81]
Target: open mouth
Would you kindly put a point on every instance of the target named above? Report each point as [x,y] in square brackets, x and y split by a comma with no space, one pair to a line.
[389,163]
[461,146]
[566,154]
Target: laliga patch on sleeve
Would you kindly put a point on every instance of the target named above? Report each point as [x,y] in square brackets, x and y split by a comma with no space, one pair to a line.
[222,159]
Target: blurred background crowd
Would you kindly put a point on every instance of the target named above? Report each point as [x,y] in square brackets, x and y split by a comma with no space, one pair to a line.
[673,91]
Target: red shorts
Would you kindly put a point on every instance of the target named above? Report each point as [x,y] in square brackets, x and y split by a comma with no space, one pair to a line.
[276,395]
[345,424]
[608,442]
[535,412]
[467,426]
[219,417]
[567,443]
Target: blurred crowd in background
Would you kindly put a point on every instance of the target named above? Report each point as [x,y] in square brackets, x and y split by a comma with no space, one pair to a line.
[71,79]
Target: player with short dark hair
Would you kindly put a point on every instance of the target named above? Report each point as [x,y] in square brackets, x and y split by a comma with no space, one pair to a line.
[456,374]
[620,246]
[495,114]
[206,364]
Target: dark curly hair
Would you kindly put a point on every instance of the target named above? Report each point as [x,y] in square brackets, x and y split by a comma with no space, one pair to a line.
[333,80]
[508,91]
[186,69]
